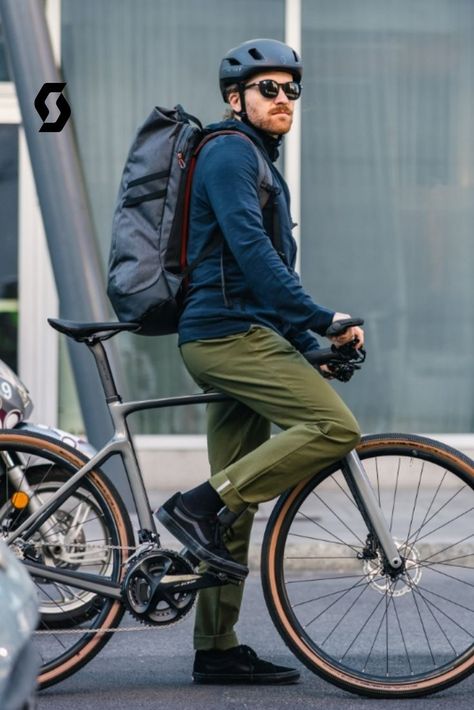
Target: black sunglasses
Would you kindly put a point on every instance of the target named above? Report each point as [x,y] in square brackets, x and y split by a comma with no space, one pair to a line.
[269,88]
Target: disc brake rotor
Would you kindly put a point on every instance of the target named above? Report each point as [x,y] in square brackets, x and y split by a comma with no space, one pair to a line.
[403,583]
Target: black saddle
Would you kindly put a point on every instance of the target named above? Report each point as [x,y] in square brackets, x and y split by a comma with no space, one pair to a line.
[91,331]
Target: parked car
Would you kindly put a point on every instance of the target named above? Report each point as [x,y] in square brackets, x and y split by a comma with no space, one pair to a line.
[19,618]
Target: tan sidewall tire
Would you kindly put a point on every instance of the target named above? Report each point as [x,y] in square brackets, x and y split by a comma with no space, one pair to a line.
[369,446]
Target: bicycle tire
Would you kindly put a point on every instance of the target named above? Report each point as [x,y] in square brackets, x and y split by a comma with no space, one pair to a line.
[64,652]
[378,636]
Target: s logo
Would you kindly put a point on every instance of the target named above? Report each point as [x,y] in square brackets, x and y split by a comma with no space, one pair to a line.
[43,110]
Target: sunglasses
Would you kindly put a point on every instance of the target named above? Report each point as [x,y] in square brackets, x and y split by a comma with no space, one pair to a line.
[269,88]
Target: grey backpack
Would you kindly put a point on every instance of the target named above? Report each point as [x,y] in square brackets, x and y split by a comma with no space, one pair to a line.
[147,263]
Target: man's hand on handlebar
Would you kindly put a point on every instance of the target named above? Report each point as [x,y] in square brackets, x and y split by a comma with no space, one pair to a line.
[346,355]
[348,334]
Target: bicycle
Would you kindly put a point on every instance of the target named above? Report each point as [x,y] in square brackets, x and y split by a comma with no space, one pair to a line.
[377,599]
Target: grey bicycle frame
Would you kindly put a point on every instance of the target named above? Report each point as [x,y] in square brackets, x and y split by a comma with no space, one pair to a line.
[121,443]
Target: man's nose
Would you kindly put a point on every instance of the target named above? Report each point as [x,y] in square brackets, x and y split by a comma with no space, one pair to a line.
[281,97]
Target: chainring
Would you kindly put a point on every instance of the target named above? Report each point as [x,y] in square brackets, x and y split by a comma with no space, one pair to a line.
[141,583]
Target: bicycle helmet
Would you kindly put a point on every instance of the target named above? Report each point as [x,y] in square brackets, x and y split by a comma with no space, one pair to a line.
[15,402]
[255,56]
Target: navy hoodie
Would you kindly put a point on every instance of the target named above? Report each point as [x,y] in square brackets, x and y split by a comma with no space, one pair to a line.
[244,281]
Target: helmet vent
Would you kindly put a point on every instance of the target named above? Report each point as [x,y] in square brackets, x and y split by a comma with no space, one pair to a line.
[256,54]
[233,62]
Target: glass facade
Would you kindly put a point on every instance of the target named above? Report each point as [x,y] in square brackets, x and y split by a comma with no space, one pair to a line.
[9,244]
[121,58]
[4,75]
[388,199]
[387,176]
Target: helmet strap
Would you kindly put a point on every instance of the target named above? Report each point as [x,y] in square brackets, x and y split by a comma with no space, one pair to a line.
[242,114]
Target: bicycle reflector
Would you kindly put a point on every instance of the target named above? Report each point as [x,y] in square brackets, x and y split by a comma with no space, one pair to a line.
[20,500]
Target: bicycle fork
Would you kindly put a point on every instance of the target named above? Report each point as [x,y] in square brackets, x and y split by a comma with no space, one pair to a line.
[364,496]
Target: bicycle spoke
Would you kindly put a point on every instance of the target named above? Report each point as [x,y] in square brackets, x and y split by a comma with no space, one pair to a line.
[343,592]
[436,620]
[349,498]
[361,629]
[453,520]
[376,634]
[424,629]
[319,539]
[441,611]
[417,538]
[342,595]
[402,635]
[445,574]
[394,495]
[338,517]
[450,601]
[340,540]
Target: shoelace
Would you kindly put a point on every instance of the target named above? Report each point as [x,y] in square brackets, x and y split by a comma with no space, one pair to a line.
[249,651]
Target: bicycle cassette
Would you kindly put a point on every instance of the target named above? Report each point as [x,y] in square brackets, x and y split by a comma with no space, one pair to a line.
[148,587]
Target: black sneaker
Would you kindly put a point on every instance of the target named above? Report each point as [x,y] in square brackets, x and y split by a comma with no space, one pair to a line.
[201,534]
[239,665]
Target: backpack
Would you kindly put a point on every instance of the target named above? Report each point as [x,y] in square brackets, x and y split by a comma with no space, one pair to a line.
[147,264]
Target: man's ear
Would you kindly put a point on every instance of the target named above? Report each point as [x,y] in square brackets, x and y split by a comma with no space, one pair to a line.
[234,101]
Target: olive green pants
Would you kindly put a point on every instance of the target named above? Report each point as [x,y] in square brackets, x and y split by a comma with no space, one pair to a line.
[270,381]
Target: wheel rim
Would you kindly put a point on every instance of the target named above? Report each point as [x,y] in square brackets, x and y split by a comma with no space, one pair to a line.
[356,621]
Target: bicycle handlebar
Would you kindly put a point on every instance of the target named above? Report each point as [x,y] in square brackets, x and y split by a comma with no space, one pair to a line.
[339,326]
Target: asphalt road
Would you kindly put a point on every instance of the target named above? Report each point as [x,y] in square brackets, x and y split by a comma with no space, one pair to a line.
[151,669]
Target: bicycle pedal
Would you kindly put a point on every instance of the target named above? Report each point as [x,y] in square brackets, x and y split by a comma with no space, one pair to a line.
[225,577]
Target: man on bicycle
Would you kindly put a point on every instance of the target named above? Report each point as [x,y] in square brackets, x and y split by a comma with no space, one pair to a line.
[246,327]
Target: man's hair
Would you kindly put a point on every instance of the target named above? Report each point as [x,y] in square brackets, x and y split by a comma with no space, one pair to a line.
[232,89]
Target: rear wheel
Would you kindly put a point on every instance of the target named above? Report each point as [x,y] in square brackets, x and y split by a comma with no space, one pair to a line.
[330,595]
[90,532]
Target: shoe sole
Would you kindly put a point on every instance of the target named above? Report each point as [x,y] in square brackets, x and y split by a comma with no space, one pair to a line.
[262,679]
[234,569]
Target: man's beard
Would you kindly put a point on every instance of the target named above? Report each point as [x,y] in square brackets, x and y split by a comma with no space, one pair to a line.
[271,124]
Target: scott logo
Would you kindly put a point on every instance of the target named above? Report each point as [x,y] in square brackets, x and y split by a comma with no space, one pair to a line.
[43,110]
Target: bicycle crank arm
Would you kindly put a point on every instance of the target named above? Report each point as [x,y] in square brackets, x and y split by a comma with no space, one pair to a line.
[193,582]
[87,582]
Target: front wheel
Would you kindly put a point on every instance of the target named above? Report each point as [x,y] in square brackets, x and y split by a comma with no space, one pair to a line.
[330,595]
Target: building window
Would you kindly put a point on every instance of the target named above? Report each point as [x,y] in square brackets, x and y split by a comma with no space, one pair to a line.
[4,75]
[388,199]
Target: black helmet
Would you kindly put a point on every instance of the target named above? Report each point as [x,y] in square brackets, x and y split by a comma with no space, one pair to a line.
[255,56]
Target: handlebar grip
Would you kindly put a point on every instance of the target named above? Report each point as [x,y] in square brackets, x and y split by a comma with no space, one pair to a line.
[340,326]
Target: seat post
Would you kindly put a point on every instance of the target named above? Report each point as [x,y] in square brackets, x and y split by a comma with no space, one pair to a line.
[103,367]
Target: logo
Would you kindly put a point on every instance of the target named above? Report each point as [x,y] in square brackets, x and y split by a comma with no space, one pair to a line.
[43,110]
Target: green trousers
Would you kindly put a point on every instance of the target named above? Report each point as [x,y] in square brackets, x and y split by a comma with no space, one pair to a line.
[269,381]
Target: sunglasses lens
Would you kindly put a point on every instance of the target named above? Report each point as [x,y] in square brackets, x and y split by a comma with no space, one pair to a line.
[293,90]
[270,89]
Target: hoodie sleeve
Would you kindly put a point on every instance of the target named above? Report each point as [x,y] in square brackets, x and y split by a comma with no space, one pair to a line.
[230,174]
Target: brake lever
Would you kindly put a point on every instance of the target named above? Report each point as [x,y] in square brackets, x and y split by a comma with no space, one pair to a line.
[349,351]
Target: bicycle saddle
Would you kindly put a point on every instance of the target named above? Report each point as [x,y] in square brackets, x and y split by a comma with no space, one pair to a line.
[82,331]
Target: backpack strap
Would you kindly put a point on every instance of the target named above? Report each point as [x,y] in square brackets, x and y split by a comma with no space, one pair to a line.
[266,190]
